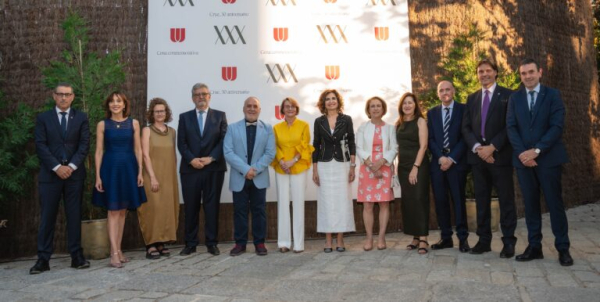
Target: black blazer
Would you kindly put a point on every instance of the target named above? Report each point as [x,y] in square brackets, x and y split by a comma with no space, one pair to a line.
[495,126]
[191,145]
[329,146]
[51,146]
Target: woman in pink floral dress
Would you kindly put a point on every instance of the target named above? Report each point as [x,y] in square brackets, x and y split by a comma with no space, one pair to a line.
[376,148]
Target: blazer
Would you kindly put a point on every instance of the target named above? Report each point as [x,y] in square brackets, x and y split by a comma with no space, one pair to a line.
[235,150]
[51,146]
[543,130]
[436,134]
[364,142]
[328,146]
[495,126]
[191,145]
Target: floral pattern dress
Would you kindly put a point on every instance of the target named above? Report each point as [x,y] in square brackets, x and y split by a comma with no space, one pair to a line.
[370,188]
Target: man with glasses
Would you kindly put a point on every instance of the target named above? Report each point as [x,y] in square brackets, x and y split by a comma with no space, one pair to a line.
[200,142]
[62,141]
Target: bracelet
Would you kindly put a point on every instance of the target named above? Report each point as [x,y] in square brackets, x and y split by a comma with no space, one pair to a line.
[352,165]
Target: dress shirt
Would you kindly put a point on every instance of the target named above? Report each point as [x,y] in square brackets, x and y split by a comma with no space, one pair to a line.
[203,118]
[58,111]
[451,106]
[537,93]
[292,140]
[491,94]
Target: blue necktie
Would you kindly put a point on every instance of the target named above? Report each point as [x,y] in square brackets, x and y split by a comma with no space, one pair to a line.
[63,123]
[531,102]
[446,126]
[200,122]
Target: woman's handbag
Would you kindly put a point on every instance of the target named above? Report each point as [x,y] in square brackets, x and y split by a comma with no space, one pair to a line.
[396,183]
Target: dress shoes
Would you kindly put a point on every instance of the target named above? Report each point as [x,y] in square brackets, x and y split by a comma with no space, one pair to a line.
[480,248]
[260,249]
[213,250]
[237,250]
[187,250]
[531,253]
[508,251]
[463,246]
[565,258]
[78,262]
[443,244]
[40,266]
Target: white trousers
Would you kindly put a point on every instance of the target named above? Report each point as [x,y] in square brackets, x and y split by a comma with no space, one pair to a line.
[296,185]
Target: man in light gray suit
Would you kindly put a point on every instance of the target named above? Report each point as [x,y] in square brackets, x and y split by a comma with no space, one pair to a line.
[249,148]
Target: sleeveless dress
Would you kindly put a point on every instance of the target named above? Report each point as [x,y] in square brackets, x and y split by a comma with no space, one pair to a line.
[371,189]
[119,169]
[415,198]
[160,215]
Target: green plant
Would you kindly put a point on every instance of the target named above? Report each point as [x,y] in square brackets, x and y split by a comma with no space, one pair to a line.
[93,78]
[596,15]
[17,161]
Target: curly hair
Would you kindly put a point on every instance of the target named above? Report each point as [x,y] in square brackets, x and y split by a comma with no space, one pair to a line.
[321,102]
[150,111]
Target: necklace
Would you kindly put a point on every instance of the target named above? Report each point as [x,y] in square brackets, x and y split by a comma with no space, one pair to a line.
[119,123]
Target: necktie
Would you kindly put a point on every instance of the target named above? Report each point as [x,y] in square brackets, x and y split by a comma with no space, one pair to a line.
[446,126]
[531,101]
[200,122]
[484,109]
[63,123]
[250,124]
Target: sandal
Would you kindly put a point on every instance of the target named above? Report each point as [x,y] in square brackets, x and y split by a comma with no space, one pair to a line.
[164,251]
[122,257]
[115,264]
[423,250]
[412,246]
[368,248]
[152,253]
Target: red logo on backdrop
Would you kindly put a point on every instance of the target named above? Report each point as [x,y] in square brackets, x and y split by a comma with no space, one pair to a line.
[332,72]
[278,114]
[229,73]
[382,33]
[229,1]
[177,34]
[330,1]
[280,34]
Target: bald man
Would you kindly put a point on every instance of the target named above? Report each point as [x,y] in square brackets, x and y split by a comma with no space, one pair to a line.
[249,148]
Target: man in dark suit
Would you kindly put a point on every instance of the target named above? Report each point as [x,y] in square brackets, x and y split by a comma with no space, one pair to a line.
[62,141]
[448,166]
[490,157]
[200,142]
[535,121]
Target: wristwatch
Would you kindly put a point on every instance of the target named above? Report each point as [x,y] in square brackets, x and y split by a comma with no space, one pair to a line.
[352,165]
[537,150]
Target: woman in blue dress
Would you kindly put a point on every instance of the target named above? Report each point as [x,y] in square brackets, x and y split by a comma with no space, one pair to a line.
[119,181]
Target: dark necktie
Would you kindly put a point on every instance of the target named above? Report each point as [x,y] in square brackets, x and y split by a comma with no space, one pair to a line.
[446,127]
[484,110]
[63,123]
[531,102]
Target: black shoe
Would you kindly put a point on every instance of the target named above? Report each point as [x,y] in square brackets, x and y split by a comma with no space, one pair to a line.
[327,250]
[237,250]
[79,262]
[152,253]
[565,258]
[40,266]
[340,249]
[187,250]
[214,250]
[443,244]
[260,249]
[463,246]
[531,253]
[508,251]
[480,248]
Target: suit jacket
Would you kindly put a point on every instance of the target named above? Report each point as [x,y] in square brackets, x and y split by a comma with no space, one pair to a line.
[329,146]
[191,145]
[495,126]
[543,130]
[235,149]
[364,141]
[51,146]
[435,125]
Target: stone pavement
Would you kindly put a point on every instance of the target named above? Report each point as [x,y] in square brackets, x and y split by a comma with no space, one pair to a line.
[394,274]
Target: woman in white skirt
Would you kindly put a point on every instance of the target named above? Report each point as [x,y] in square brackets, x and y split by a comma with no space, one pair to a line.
[292,160]
[333,169]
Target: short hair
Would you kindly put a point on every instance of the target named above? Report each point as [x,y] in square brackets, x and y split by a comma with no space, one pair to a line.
[199,86]
[292,101]
[529,61]
[321,102]
[490,63]
[150,111]
[123,98]
[375,98]
[63,84]
[418,111]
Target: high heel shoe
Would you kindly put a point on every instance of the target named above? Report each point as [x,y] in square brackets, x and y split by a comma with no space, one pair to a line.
[122,258]
[115,264]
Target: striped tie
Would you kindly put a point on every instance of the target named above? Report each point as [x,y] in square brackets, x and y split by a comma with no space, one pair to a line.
[446,126]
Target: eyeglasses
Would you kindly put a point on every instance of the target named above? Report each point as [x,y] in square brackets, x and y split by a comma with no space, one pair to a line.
[203,94]
[160,111]
[289,107]
[63,95]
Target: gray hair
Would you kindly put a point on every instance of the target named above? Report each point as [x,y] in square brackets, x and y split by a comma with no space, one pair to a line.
[199,86]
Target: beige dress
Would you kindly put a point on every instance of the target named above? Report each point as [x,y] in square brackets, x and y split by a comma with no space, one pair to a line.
[160,215]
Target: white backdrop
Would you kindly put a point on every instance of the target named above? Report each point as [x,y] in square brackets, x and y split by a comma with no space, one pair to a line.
[272,49]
